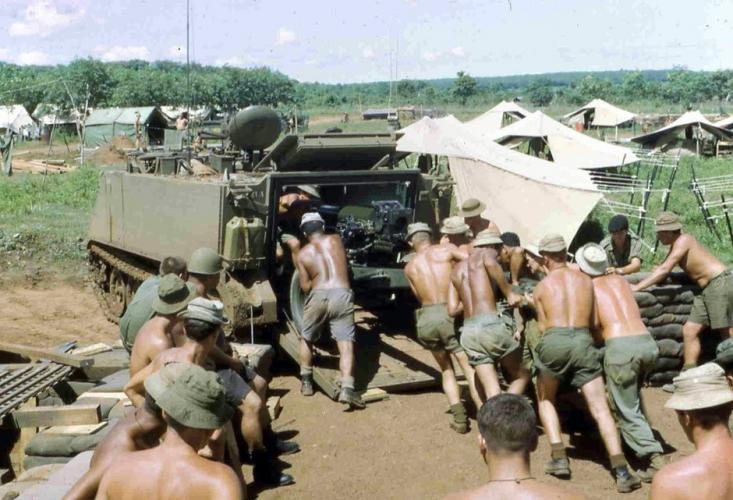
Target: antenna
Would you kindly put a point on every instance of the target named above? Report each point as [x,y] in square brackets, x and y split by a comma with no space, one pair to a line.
[188,79]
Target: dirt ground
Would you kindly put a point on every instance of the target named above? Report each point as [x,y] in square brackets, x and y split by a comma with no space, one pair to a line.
[397,448]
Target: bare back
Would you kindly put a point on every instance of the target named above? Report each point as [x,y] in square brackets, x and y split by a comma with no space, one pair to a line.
[564,299]
[476,288]
[158,475]
[526,490]
[429,273]
[324,262]
[699,264]
[150,341]
[616,310]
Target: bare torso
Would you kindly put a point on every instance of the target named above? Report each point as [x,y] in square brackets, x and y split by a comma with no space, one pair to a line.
[161,474]
[526,490]
[429,273]
[473,283]
[152,339]
[480,224]
[699,264]
[617,312]
[324,261]
[564,299]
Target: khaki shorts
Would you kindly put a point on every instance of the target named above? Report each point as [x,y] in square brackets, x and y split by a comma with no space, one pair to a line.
[236,387]
[334,306]
[435,329]
[487,339]
[568,354]
[531,338]
[714,306]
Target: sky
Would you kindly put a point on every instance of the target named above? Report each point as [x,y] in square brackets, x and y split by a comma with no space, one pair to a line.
[349,41]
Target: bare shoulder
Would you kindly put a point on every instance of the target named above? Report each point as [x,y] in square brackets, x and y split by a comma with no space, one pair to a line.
[685,240]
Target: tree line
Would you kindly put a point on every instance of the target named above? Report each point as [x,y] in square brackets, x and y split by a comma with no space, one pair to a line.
[93,83]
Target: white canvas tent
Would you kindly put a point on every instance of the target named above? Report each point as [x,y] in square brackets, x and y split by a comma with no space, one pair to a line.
[599,113]
[692,123]
[529,196]
[567,146]
[497,117]
[15,117]
[726,123]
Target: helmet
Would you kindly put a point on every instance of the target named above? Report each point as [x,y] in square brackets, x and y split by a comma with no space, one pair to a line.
[205,261]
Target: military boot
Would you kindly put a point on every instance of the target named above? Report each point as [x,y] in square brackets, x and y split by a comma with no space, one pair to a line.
[276,446]
[558,467]
[626,482]
[266,471]
[306,385]
[351,398]
[656,462]
[460,419]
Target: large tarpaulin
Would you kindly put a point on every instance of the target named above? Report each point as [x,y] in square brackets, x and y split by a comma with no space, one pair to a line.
[567,146]
[603,113]
[726,123]
[692,119]
[15,117]
[492,120]
[527,195]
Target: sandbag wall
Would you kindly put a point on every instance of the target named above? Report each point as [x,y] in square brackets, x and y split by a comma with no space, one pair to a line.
[664,309]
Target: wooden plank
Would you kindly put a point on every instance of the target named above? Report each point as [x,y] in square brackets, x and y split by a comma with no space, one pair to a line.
[17,454]
[291,344]
[373,395]
[274,407]
[14,366]
[44,416]
[112,395]
[76,429]
[91,350]
[39,353]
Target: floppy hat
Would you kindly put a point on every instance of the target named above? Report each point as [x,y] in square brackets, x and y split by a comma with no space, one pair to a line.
[417,227]
[472,207]
[592,259]
[668,221]
[210,311]
[552,243]
[310,190]
[196,398]
[454,225]
[161,380]
[704,386]
[311,217]
[487,237]
[533,249]
[174,294]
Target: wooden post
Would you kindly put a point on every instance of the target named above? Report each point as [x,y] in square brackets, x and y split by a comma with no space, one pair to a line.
[17,454]
[727,218]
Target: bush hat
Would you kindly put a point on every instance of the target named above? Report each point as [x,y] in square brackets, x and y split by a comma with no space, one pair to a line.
[196,398]
[552,243]
[533,249]
[668,221]
[454,225]
[310,190]
[160,381]
[311,217]
[488,237]
[205,261]
[704,386]
[417,227]
[210,311]
[472,207]
[174,294]
[592,259]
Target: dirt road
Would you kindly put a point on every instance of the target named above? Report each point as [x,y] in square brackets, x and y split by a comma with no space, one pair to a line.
[398,448]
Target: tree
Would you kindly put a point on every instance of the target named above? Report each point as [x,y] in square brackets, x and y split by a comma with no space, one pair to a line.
[539,92]
[634,86]
[463,87]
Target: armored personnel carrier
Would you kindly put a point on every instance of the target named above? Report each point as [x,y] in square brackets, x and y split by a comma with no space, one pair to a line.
[367,195]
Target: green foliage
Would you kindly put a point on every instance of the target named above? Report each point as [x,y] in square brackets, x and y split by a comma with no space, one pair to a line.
[464,87]
[539,92]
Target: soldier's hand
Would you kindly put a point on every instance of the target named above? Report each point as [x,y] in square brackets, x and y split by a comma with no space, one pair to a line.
[514,299]
[611,270]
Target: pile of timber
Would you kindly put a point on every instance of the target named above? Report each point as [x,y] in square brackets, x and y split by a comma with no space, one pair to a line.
[41,166]
[664,309]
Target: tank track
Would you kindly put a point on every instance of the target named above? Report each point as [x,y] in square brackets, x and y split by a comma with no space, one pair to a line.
[102,263]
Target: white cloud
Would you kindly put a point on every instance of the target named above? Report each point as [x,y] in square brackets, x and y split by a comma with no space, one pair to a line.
[284,36]
[177,52]
[430,56]
[458,51]
[367,52]
[33,57]
[235,61]
[122,53]
[4,54]
[42,18]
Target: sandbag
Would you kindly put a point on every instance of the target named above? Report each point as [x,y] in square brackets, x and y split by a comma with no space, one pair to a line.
[664,364]
[645,299]
[113,383]
[685,309]
[651,311]
[661,378]
[65,445]
[662,319]
[669,348]
[674,295]
[671,331]
[35,461]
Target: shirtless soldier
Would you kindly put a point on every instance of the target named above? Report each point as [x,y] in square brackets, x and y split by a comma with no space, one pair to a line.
[429,276]
[485,336]
[713,308]
[140,430]
[324,275]
[508,435]
[630,354]
[456,232]
[157,334]
[290,209]
[194,406]
[702,399]
[471,211]
[564,302]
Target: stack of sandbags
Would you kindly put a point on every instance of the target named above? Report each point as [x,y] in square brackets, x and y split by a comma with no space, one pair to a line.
[664,309]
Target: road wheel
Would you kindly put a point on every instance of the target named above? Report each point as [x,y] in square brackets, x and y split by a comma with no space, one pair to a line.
[118,293]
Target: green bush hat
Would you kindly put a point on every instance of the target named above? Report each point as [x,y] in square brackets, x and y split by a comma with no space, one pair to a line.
[174,294]
[668,221]
[552,243]
[196,398]
[454,225]
[160,381]
[210,311]
[472,207]
[704,386]
[488,237]
[205,261]
[417,227]
[592,259]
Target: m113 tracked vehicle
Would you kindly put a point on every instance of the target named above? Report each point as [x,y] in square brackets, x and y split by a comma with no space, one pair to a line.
[367,195]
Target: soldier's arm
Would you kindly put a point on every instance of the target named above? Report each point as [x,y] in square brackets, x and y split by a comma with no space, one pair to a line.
[516,264]
[634,266]
[458,254]
[497,275]
[676,254]
[135,387]
[226,485]
[455,306]
[303,278]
